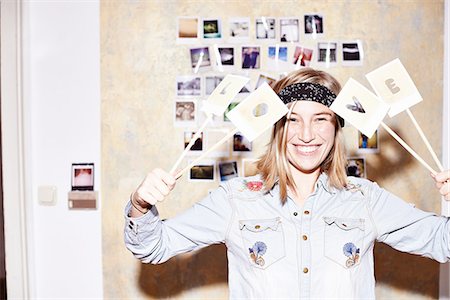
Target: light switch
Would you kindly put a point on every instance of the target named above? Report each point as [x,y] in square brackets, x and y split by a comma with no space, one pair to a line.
[47,194]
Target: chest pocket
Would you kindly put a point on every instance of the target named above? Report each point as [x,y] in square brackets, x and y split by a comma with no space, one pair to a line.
[344,240]
[263,240]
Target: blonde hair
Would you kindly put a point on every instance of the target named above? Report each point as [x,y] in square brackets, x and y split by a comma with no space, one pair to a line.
[273,165]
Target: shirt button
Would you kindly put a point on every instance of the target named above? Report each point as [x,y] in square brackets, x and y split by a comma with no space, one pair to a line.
[295,213]
[306,212]
[305,237]
[257,227]
[305,270]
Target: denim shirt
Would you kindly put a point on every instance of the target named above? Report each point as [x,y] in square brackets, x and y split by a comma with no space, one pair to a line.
[321,250]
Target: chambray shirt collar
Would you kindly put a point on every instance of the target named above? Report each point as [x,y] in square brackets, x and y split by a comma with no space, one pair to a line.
[321,183]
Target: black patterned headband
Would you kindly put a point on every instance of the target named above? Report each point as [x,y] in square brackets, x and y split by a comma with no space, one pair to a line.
[307,91]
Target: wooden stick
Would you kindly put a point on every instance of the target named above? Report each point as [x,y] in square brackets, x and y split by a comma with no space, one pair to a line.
[425,140]
[214,147]
[409,149]
[191,142]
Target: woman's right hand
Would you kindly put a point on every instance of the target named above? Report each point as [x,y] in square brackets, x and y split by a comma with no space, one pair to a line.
[155,187]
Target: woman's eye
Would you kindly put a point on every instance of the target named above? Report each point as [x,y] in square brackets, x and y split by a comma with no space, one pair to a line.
[322,119]
[293,119]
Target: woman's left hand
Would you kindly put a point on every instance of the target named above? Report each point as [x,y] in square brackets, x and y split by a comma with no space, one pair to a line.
[443,183]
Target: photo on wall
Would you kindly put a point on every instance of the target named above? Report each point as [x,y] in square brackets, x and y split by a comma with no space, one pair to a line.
[187,29]
[368,145]
[251,57]
[327,53]
[265,28]
[212,28]
[185,112]
[302,56]
[211,82]
[277,53]
[227,170]
[241,143]
[189,85]
[230,107]
[356,166]
[227,56]
[203,171]
[313,25]
[197,147]
[289,30]
[352,53]
[200,58]
[263,77]
[82,177]
[239,29]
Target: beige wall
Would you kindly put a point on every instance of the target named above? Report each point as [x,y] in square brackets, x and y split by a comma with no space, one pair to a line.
[139,62]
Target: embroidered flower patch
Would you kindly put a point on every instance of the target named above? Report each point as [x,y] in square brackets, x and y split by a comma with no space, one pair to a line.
[254,186]
[256,253]
[352,253]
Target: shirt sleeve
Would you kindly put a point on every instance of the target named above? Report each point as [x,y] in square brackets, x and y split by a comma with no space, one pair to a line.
[408,229]
[155,241]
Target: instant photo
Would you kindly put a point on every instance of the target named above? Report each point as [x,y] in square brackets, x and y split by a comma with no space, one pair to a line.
[289,30]
[211,82]
[230,107]
[368,145]
[327,53]
[313,24]
[202,172]
[226,56]
[83,177]
[187,29]
[265,28]
[352,54]
[251,57]
[198,144]
[302,56]
[270,80]
[200,58]
[188,86]
[241,143]
[356,166]
[212,29]
[239,29]
[185,113]
[228,170]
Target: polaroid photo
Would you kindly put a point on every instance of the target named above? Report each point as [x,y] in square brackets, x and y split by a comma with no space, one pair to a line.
[227,170]
[211,82]
[197,147]
[251,57]
[239,29]
[211,29]
[187,30]
[203,171]
[352,53]
[225,57]
[313,25]
[189,85]
[82,177]
[248,166]
[302,57]
[277,59]
[212,136]
[241,144]
[185,113]
[264,77]
[289,30]
[356,166]
[265,29]
[368,145]
[327,53]
[200,59]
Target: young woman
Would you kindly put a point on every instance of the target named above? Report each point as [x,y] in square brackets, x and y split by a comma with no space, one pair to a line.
[301,228]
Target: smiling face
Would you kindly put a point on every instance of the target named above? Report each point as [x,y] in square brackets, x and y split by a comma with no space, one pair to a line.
[310,136]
